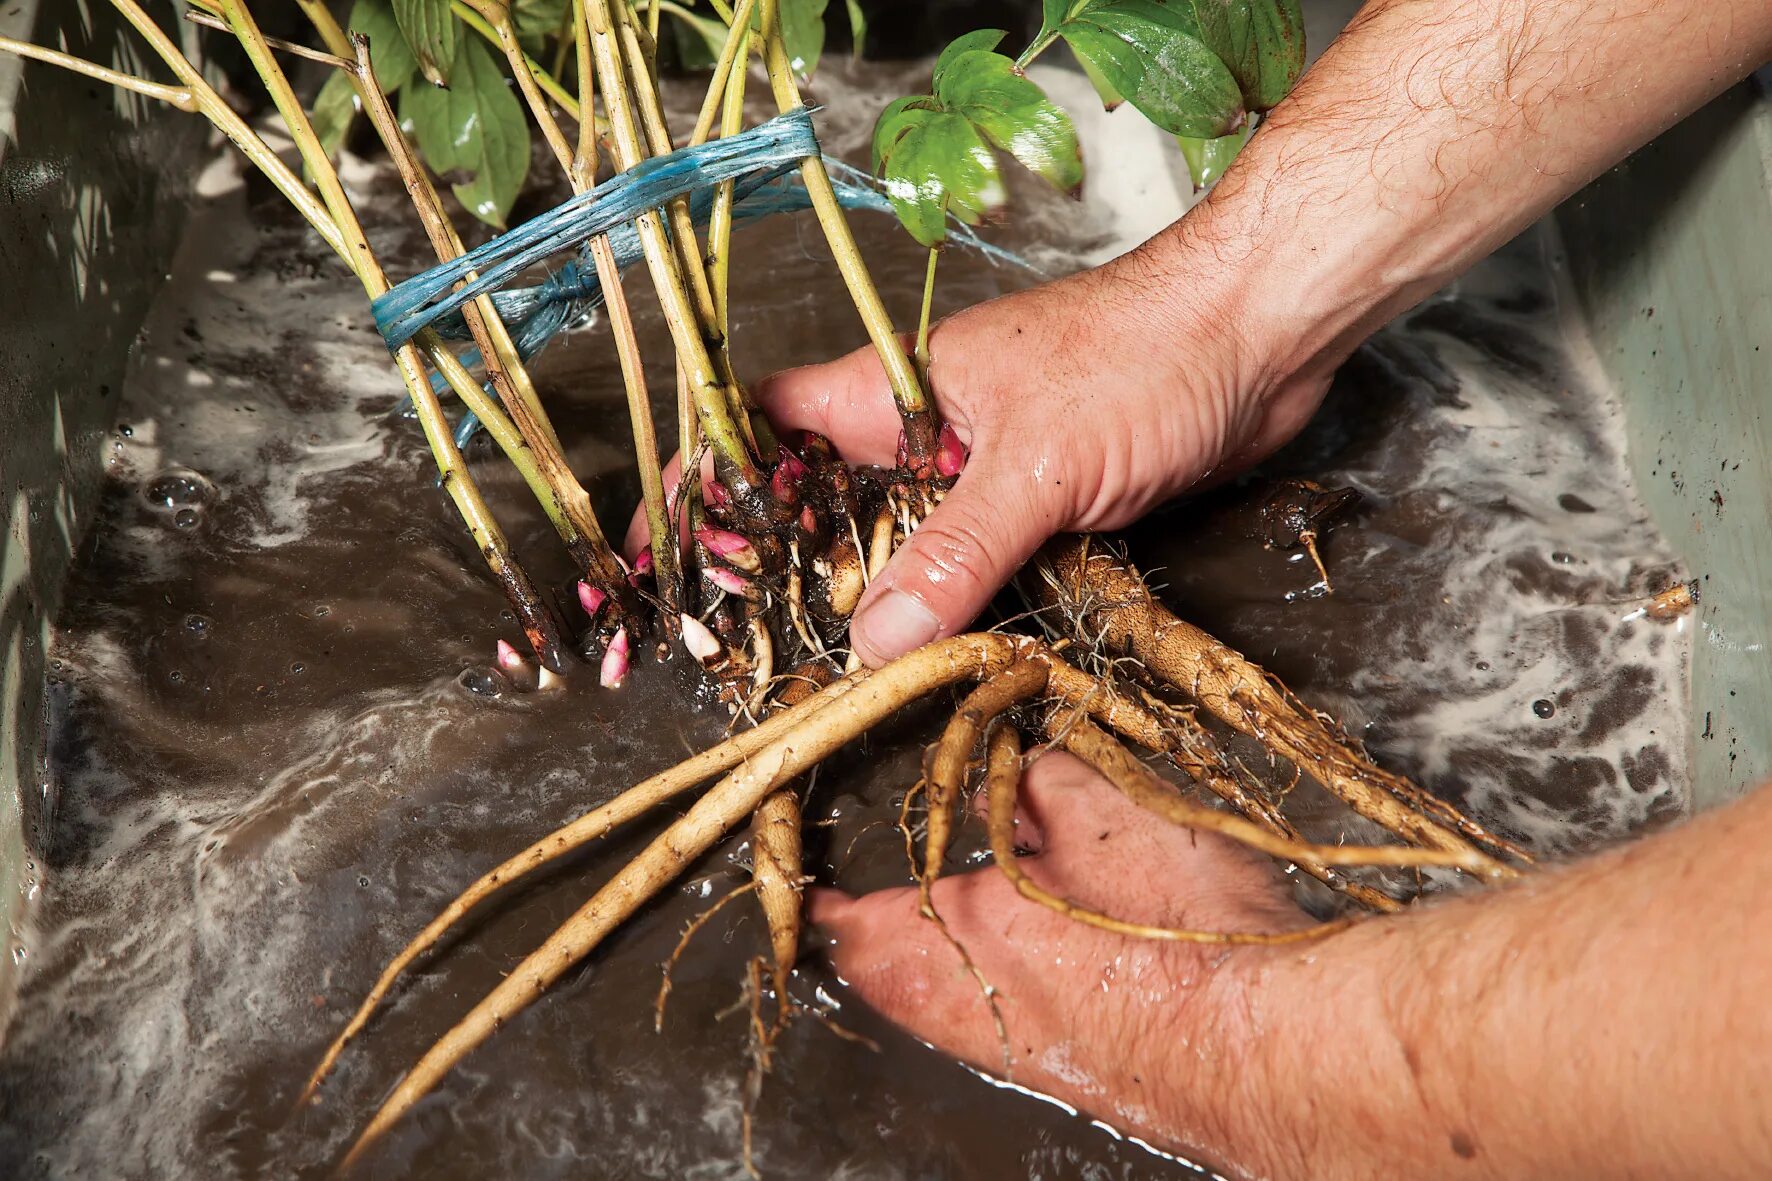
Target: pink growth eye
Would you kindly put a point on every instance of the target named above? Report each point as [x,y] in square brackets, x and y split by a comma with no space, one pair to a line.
[615,661]
[950,453]
[701,643]
[590,598]
[730,581]
[730,546]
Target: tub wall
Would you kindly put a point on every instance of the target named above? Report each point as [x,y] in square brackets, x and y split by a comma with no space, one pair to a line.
[92,186]
[1671,259]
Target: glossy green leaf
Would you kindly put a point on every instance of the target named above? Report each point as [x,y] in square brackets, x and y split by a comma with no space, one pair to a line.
[899,117]
[1154,55]
[983,39]
[802,33]
[941,164]
[389,54]
[1208,158]
[954,150]
[1110,98]
[1013,114]
[858,27]
[335,107]
[915,190]
[431,31]
[1260,41]
[475,126]
[1052,14]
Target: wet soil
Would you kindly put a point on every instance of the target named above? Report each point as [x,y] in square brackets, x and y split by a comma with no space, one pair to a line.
[279,746]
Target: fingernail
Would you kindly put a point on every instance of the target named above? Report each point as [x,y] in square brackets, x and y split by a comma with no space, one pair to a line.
[895,623]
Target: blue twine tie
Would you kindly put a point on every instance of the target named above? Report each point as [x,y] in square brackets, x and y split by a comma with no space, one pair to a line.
[757,161]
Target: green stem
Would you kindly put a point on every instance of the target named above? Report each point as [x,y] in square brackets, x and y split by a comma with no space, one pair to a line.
[535,448]
[524,70]
[1041,44]
[712,404]
[907,388]
[467,388]
[543,79]
[349,243]
[923,317]
[234,127]
[720,219]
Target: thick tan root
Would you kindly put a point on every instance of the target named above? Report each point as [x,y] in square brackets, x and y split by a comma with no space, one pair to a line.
[776,867]
[598,822]
[1111,601]
[807,741]
[945,772]
[1119,766]
[1192,749]
[1002,786]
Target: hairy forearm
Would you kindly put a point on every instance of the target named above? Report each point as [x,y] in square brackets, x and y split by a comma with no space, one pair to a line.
[1432,131]
[1607,1019]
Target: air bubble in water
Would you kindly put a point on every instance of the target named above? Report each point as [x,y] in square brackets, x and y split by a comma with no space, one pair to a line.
[1544,707]
[177,489]
[481,682]
[185,518]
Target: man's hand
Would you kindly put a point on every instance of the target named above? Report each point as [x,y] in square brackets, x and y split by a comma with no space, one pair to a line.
[1601,1020]
[1085,403]
[1154,1037]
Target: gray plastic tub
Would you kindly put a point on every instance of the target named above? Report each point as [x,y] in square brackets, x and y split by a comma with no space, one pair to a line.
[1671,257]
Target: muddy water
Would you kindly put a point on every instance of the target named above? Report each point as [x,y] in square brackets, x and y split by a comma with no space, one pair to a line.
[278,746]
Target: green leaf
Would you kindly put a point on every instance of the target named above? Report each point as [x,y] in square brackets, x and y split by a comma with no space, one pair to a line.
[858,27]
[916,192]
[942,164]
[1260,41]
[1014,114]
[802,33]
[983,39]
[1208,158]
[1154,55]
[952,148]
[1110,98]
[899,117]
[389,55]
[476,125]
[1052,14]
[335,107]
[430,30]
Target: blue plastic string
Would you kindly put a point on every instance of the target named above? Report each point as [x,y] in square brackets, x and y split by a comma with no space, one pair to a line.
[757,161]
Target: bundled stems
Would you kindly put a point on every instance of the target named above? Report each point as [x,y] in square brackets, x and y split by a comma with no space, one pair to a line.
[737,467]
[336,224]
[914,407]
[535,448]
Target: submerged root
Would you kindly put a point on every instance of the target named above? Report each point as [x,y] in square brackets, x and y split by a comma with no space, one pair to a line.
[776,868]
[1104,602]
[1003,786]
[805,741]
[598,822]
[1109,600]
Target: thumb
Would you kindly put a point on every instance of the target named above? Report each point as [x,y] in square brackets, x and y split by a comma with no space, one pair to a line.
[958,558]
